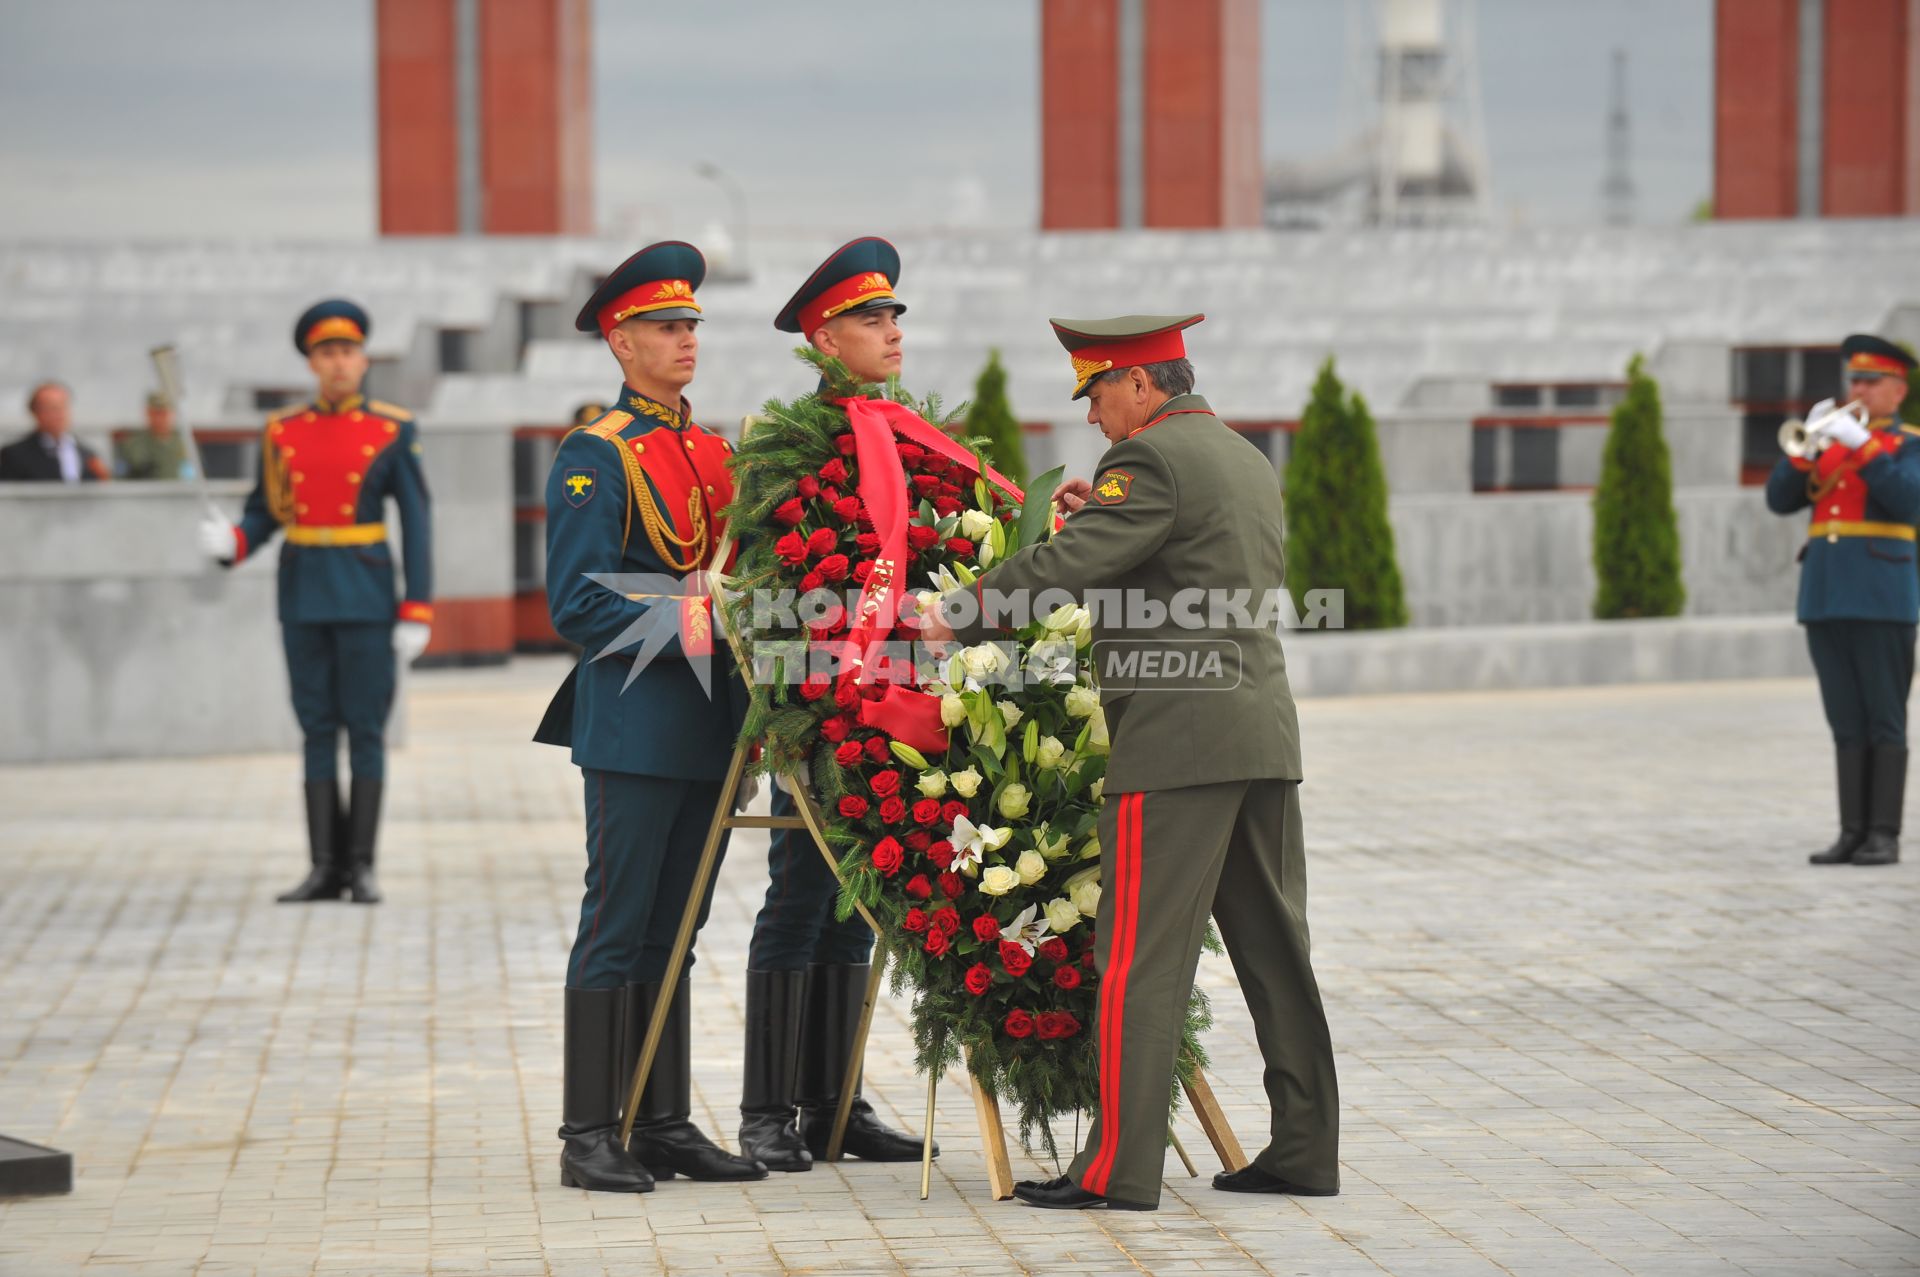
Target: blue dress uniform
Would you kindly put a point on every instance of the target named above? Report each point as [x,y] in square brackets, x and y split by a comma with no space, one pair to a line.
[638,492]
[326,473]
[806,969]
[1860,599]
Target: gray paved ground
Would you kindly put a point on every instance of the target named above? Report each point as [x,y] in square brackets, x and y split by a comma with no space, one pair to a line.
[1593,1012]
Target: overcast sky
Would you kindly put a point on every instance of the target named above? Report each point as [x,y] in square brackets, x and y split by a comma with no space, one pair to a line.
[254,118]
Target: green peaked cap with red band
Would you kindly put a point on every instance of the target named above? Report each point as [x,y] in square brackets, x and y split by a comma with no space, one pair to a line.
[1101,345]
[1865,355]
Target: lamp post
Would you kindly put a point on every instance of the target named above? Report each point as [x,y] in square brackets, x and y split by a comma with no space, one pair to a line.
[736,197]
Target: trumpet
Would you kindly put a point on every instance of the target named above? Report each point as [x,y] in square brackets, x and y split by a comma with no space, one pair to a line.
[1808,438]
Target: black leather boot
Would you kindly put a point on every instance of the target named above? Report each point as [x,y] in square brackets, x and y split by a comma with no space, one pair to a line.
[324,880]
[592,1157]
[767,1112]
[363,830]
[665,1140]
[1888,797]
[835,993]
[1851,766]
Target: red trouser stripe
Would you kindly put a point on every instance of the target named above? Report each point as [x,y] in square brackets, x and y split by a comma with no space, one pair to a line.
[1113,1000]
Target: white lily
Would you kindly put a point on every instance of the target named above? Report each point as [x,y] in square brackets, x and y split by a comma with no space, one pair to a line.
[1026,930]
[972,842]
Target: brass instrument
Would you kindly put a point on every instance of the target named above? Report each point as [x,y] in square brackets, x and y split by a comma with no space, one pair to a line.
[1810,437]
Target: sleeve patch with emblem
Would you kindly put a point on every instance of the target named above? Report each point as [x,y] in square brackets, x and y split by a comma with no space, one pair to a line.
[1112,488]
[579,486]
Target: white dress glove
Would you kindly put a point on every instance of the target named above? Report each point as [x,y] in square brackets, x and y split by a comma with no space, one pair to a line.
[1848,432]
[410,639]
[217,539]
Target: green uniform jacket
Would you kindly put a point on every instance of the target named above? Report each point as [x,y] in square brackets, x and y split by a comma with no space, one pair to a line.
[1184,505]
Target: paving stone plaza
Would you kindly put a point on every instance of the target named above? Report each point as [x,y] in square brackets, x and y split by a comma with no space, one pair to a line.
[1594,1014]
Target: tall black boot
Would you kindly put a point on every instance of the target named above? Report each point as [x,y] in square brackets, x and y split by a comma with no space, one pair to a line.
[324,880]
[665,1140]
[1889,796]
[835,993]
[592,1157]
[363,830]
[767,1113]
[1850,763]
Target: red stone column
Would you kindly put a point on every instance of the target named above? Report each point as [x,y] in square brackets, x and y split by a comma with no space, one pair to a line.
[1867,148]
[1079,114]
[1201,116]
[1756,66]
[417,131]
[535,117]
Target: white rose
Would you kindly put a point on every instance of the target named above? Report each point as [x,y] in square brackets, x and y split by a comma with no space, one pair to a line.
[932,784]
[1031,867]
[1082,701]
[1062,916]
[998,881]
[1086,898]
[1011,712]
[966,783]
[1014,801]
[953,710]
[975,524]
[1048,752]
[982,660]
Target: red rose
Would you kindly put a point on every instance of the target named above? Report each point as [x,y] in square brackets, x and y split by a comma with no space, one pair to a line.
[847,509]
[846,696]
[1019,1024]
[916,919]
[918,887]
[811,582]
[1067,977]
[936,464]
[789,512]
[1053,949]
[949,489]
[833,567]
[927,811]
[1058,1024]
[925,484]
[941,853]
[936,942]
[877,750]
[886,855]
[883,784]
[911,454]
[953,811]
[952,885]
[947,919]
[893,811]
[979,979]
[835,729]
[1014,958]
[829,495]
[808,487]
[822,542]
[849,753]
[835,471]
[814,687]
[919,840]
[853,807]
[862,570]
[959,545]
[986,929]
[944,506]
[867,543]
[792,549]
[1086,959]
[922,537]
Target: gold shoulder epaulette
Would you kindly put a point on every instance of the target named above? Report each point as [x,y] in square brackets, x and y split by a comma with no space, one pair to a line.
[392,412]
[611,424]
[1912,430]
[281,414]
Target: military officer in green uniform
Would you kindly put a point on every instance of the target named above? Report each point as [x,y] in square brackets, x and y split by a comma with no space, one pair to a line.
[650,714]
[1202,811]
[807,970]
[158,452]
[1859,593]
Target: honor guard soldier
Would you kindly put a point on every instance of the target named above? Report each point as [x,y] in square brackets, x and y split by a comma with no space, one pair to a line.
[639,493]
[327,470]
[1859,593]
[806,970]
[158,452]
[1202,810]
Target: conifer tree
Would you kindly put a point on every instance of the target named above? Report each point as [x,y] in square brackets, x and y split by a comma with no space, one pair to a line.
[1338,536]
[991,417]
[1636,536]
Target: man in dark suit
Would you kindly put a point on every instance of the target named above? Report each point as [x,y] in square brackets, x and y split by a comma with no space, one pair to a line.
[49,451]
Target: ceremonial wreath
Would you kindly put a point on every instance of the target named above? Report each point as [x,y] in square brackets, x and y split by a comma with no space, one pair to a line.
[960,793]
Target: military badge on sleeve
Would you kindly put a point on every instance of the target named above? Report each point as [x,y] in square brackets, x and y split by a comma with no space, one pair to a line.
[1112,488]
[579,486]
